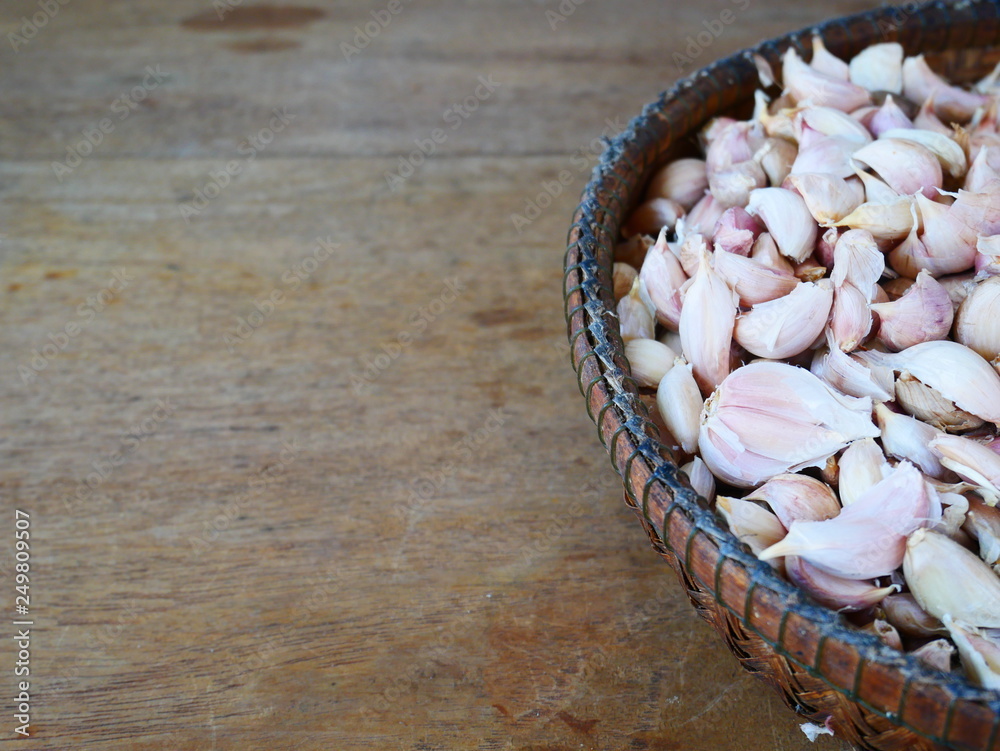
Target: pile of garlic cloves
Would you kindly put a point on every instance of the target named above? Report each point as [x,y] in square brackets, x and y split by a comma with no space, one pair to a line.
[816,304]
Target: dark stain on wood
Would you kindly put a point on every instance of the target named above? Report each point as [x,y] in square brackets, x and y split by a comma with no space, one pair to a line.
[257,46]
[501,709]
[250,17]
[14,287]
[69,274]
[500,316]
[581,726]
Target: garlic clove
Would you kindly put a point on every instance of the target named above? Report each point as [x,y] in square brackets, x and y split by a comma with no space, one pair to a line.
[752,524]
[752,281]
[650,360]
[885,221]
[663,277]
[732,186]
[706,325]
[652,216]
[948,152]
[703,216]
[633,251]
[831,122]
[809,270]
[878,68]
[936,654]
[876,190]
[776,158]
[981,175]
[827,63]
[948,581]
[868,538]
[822,154]
[701,478]
[987,257]
[765,252]
[850,317]
[980,656]
[787,219]
[862,466]
[972,461]
[828,198]
[924,313]
[622,277]
[679,403]
[982,523]
[926,119]
[636,317]
[928,405]
[769,418]
[683,181]
[977,323]
[736,231]
[904,612]
[804,82]
[888,117]
[885,631]
[797,497]
[852,377]
[788,325]
[825,246]
[950,102]
[907,167]
[907,438]
[845,595]
[857,261]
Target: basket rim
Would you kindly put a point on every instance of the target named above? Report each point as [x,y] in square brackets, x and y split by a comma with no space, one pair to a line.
[595,343]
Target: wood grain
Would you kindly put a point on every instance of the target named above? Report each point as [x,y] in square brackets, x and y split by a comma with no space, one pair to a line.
[359,502]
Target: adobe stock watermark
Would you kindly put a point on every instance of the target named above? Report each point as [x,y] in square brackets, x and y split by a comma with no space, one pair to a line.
[94,134]
[581,161]
[566,9]
[897,17]
[128,443]
[455,116]
[698,43]
[363,35]
[219,179]
[418,321]
[86,311]
[47,10]
[291,279]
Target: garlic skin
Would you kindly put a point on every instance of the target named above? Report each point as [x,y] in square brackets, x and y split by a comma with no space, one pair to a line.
[804,82]
[679,402]
[650,360]
[706,325]
[701,478]
[907,438]
[924,313]
[878,68]
[928,405]
[936,654]
[972,461]
[788,325]
[904,612]
[828,198]
[770,418]
[652,216]
[949,582]
[683,181]
[635,314]
[955,371]
[663,277]
[906,166]
[977,323]
[868,538]
[752,524]
[622,278]
[844,595]
[787,219]
[950,102]
[982,523]
[753,282]
[797,498]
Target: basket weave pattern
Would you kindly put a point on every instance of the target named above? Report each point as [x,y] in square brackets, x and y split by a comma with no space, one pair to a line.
[872,695]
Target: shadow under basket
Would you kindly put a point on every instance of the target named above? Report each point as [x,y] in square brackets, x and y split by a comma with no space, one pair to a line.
[823,668]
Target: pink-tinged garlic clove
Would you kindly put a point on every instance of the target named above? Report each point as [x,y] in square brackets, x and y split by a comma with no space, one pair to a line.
[704,216]
[887,117]
[732,144]
[752,524]
[797,498]
[977,324]
[876,190]
[885,221]
[949,582]
[828,121]
[663,277]
[736,231]
[683,181]
[904,612]
[787,219]
[707,320]
[850,318]
[862,467]
[906,438]
[982,175]
[857,261]
[776,158]
[936,654]
[828,198]
[769,418]
[845,595]
[878,67]
[752,281]
[679,402]
[972,461]
[923,314]
[948,152]
[765,252]
[825,246]
[650,361]
[980,655]
[636,317]
[830,155]
[732,186]
[849,376]
[926,119]
[652,216]
[905,166]
[788,325]
[951,103]
[804,82]
[701,478]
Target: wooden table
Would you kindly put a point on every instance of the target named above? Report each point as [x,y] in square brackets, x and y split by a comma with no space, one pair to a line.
[302,457]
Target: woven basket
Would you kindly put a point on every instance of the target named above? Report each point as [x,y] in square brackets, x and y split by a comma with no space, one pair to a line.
[827,671]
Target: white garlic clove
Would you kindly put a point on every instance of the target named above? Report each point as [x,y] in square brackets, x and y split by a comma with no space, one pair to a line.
[850,317]
[704,216]
[732,186]
[886,221]
[650,360]
[924,313]
[701,478]
[776,158]
[857,261]
[982,175]
[980,656]
[736,231]
[977,323]
[787,325]
[845,595]
[795,497]
[679,403]
[826,62]
[878,67]
[683,181]
[945,149]
[862,466]
[787,219]
[663,277]
[752,524]
[804,82]
[906,166]
[828,198]
[765,252]
[751,280]
[820,154]
[706,325]
[972,461]
[952,103]
[636,318]
[852,377]
[831,122]
[907,438]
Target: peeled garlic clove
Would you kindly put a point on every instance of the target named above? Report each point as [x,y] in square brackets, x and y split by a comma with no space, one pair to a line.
[828,198]
[769,418]
[752,524]
[797,497]
[950,102]
[982,523]
[827,63]
[701,478]
[906,438]
[980,656]
[878,68]
[906,166]
[947,151]
[788,325]
[928,405]
[679,403]
[706,325]
[804,82]
[622,278]
[787,219]
[703,216]
[650,360]
[885,221]
[765,252]
[903,612]
[972,461]
[955,371]
[683,181]
[776,158]
[949,581]
[663,277]
[753,282]
[868,538]
[833,591]
[936,654]
[923,314]
[977,324]
[851,377]
[736,231]
[635,314]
